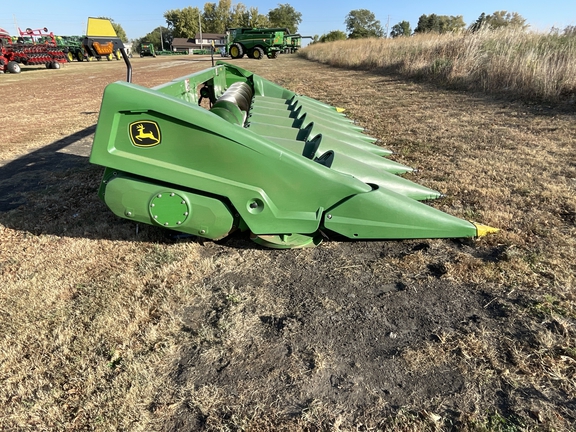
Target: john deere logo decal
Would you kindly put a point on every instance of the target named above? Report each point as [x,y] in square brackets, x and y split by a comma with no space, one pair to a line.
[145,133]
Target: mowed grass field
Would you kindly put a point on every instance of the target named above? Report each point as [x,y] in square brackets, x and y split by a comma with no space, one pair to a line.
[108,325]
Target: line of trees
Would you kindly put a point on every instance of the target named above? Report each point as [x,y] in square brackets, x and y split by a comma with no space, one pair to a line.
[362,23]
[440,23]
[497,20]
[446,24]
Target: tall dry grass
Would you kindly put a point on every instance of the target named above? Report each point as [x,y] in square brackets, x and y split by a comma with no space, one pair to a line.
[530,65]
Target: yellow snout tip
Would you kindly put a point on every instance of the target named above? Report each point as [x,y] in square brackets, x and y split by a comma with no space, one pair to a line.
[482,230]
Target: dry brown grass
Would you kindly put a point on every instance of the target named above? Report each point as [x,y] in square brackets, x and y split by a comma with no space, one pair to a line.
[510,62]
[81,332]
[109,328]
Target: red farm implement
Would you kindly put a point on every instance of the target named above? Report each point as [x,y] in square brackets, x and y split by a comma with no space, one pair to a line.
[32,47]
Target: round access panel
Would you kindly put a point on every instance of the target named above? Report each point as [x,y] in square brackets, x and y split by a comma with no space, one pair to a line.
[169,209]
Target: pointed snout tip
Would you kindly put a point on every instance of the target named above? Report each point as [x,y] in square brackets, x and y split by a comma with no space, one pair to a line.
[483,230]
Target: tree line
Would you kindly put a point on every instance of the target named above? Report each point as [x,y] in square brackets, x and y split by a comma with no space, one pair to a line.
[362,23]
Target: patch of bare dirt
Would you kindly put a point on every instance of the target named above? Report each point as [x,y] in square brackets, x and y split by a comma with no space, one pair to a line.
[338,339]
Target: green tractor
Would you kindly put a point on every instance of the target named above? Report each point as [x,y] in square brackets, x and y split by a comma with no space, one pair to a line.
[147,49]
[72,47]
[256,42]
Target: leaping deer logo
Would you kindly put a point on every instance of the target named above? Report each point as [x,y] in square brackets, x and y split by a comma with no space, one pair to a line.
[145,133]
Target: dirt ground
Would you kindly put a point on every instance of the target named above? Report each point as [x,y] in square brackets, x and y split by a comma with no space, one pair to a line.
[382,335]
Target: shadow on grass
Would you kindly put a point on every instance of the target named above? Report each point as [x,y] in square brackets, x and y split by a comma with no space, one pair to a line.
[54,191]
[30,173]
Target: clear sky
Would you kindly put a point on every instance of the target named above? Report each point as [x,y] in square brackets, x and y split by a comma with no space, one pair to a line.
[68,17]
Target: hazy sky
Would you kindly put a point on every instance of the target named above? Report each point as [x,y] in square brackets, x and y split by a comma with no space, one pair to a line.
[66,17]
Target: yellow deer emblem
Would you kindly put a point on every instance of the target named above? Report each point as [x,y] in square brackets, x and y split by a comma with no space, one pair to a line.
[145,133]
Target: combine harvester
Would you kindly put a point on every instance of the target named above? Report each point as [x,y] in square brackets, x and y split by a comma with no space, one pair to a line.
[256,42]
[286,168]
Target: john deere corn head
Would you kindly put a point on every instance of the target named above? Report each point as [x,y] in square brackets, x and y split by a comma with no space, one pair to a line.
[225,149]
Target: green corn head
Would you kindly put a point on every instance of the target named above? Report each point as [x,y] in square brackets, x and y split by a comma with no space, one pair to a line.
[259,158]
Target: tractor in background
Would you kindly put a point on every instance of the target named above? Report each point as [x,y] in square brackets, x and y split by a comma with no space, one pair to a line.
[72,47]
[147,49]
